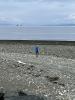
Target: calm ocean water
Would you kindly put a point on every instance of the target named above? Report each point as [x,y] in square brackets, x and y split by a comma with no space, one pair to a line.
[38,33]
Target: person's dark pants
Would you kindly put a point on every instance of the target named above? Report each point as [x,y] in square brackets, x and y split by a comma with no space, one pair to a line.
[37,53]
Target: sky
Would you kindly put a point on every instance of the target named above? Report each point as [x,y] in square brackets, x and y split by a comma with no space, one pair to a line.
[37,12]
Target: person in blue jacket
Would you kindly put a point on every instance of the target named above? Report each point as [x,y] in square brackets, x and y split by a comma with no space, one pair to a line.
[37,51]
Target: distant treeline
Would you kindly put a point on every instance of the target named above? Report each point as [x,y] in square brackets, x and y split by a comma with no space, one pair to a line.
[38,42]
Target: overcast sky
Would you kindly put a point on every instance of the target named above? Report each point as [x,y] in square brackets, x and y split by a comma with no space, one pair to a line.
[37,12]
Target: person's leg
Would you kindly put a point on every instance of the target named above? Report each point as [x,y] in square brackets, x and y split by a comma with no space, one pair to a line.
[37,53]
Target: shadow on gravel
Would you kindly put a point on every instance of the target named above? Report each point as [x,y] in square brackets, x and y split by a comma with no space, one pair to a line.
[1,96]
[21,93]
[21,96]
[28,97]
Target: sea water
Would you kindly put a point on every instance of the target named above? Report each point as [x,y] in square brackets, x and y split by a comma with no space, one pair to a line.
[38,32]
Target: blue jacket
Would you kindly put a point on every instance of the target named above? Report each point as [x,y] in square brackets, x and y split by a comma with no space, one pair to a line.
[37,50]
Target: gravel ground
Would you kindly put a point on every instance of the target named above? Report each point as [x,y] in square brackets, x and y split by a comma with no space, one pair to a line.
[55,50]
[51,75]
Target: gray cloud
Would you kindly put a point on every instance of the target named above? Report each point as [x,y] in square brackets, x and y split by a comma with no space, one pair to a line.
[38,12]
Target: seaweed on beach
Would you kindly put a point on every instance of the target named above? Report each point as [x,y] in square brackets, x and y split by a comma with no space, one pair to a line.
[52,79]
[55,80]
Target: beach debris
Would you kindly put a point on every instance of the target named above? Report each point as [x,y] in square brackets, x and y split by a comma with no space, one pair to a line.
[18,64]
[21,62]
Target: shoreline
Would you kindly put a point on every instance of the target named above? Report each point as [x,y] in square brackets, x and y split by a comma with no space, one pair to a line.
[39,42]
